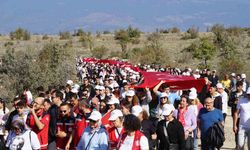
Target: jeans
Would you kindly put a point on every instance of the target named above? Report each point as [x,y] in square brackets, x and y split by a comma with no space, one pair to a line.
[195,139]
[242,135]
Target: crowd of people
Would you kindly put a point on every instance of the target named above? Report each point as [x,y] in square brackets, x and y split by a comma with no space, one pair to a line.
[106,112]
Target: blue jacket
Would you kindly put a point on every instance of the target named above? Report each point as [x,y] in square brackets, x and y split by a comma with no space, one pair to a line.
[99,140]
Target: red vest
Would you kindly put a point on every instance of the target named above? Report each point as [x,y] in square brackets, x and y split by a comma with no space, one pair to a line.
[80,125]
[67,126]
[136,143]
[112,137]
[41,134]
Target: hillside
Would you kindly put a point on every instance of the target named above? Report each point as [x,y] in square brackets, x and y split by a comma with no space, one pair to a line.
[171,43]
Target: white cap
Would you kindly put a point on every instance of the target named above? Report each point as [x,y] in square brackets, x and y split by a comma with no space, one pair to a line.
[101,88]
[167,109]
[130,93]
[193,90]
[77,86]
[74,90]
[111,78]
[70,82]
[192,95]
[248,90]
[219,86]
[197,70]
[113,100]
[163,95]
[95,115]
[115,85]
[233,74]
[243,76]
[97,87]
[136,110]
[124,81]
[115,114]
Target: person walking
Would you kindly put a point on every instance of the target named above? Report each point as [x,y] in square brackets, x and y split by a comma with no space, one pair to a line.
[244,124]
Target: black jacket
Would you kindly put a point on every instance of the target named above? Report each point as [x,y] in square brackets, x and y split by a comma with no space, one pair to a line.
[148,128]
[215,135]
[175,133]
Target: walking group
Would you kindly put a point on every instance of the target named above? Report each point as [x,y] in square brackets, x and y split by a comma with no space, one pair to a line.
[105,110]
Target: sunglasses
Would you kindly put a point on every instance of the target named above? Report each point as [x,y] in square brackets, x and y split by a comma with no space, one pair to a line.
[63,111]
[163,98]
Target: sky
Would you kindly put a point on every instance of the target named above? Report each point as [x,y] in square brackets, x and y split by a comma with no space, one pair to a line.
[53,16]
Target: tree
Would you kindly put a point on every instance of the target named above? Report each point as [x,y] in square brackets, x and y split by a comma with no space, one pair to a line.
[87,40]
[123,38]
[203,50]
[99,52]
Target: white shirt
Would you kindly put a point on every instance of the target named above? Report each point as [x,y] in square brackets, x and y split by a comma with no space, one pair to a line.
[244,107]
[224,97]
[128,143]
[28,138]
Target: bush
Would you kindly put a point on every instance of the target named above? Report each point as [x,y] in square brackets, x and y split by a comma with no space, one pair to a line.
[64,35]
[87,40]
[20,34]
[99,52]
[106,32]
[45,37]
[9,43]
[174,30]
[234,31]
[79,32]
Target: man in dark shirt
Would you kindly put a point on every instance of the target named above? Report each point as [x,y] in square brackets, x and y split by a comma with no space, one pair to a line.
[57,97]
[170,131]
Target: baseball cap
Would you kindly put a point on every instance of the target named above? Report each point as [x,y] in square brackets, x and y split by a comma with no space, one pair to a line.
[115,114]
[70,82]
[163,95]
[95,115]
[136,110]
[113,100]
[167,109]
[243,75]
[130,93]
[219,86]
[97,87]
[101,88]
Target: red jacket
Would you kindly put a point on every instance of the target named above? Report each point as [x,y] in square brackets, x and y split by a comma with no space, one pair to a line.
[136,143]
[112,136]
[41,134]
